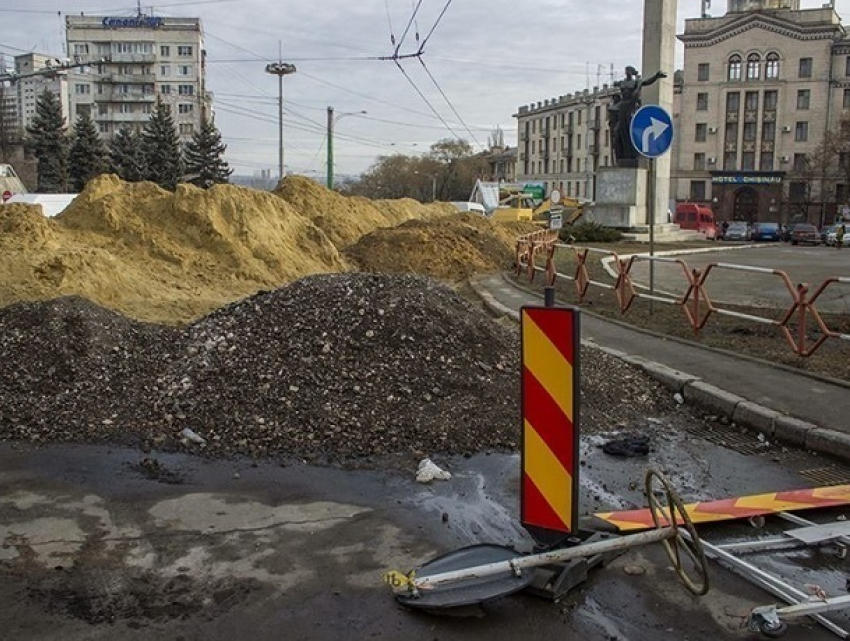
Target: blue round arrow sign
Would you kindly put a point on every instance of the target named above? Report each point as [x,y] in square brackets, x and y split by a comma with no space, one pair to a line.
[652,131]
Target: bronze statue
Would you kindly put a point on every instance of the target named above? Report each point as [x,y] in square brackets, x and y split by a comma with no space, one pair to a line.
[620,113]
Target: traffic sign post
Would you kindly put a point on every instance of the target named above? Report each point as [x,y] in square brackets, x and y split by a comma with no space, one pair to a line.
[7,195]
[651,133]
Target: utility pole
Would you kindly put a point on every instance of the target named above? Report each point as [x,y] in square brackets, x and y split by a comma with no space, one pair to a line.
[331,122]
[280,69]
[330,172]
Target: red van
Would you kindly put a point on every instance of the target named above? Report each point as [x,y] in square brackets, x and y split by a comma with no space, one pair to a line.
[696,217]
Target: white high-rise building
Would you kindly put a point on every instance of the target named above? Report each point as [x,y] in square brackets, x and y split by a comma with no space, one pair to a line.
[134,61]
[29,86]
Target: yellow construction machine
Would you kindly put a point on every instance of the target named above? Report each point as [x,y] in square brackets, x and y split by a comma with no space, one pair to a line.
[566,210]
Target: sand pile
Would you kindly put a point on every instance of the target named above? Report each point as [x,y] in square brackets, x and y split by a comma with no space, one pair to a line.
[166,257]
[458,246]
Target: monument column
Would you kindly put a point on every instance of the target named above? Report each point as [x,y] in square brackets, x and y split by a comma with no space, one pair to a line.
[659,53]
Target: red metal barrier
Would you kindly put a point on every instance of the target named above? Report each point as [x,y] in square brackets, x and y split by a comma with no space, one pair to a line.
[695,302]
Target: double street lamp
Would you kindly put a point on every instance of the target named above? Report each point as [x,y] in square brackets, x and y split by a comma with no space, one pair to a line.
[332,120]
[280,69]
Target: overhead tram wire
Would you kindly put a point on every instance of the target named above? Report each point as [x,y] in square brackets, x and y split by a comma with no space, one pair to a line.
[449,103]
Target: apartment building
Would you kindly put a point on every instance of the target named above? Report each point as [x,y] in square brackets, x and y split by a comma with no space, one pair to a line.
[761,86]
[28,88]
[564,140]
[134,61]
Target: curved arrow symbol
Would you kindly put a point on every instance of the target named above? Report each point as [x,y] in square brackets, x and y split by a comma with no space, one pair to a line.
[655,130]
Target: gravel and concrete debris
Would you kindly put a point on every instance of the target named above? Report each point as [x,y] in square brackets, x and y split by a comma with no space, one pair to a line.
[333,368]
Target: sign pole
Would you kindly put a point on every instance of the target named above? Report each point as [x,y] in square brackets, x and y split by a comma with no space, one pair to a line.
[651,217]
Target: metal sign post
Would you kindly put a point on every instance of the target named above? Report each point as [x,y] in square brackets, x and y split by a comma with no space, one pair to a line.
[652,136]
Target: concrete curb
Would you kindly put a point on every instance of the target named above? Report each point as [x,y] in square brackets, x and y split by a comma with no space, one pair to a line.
[747,414]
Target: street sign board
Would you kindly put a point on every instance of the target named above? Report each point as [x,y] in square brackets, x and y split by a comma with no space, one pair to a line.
[7,195]
[652,131]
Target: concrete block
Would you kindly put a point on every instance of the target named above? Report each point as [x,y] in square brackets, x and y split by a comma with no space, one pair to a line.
[756,417]
[792,430]
[711,398]
[667,376]
[829,442]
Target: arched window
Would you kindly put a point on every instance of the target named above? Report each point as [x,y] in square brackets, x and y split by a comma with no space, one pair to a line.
[734,67]
[771,68]
[753,66]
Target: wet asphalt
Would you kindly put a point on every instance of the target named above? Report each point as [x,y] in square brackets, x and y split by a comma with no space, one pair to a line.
[96,546]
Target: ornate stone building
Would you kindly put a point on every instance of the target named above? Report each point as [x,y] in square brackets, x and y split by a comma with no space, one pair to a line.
[761,86]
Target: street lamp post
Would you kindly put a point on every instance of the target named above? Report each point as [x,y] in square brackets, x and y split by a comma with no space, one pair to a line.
[331,122]
[280,69]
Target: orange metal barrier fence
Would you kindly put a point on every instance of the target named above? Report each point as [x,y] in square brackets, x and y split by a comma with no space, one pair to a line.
[695,302]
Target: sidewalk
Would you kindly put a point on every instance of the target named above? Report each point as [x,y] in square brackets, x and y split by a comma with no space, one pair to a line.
[780,402]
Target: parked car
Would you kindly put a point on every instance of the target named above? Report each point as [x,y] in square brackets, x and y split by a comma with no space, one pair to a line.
[832,236]
[805,234]
[765,231]
[737,230]
[824,233]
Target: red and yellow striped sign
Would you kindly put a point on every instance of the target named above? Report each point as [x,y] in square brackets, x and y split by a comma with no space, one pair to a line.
[550,375]
[738,508]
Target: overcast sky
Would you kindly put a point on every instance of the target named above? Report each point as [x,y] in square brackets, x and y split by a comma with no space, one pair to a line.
[483,59]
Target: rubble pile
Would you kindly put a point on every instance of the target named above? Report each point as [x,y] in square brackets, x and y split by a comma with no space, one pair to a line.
[330,368]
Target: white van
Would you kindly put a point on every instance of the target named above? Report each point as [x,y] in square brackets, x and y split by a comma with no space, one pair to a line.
[476,208]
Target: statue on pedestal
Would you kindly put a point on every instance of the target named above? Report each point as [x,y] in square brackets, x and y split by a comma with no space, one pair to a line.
[620,113]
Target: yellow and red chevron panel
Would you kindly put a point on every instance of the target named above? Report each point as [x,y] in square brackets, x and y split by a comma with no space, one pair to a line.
[550,392]
[738,508]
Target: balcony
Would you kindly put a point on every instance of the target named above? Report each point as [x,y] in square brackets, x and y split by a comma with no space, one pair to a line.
[132,96]
[131,78]
[132,57]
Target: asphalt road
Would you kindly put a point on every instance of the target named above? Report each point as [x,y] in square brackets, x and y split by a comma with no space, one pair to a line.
[96,543]
[803,264]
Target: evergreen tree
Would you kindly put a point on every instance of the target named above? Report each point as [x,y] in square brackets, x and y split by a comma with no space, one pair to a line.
[126,155]
[87,156]
[48,141]
[161,146]
[204,163]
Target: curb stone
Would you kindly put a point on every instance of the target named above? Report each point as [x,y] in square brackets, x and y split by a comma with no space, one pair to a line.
[672,378]
[712,398]
[792,430]
[828,442]
[757,417]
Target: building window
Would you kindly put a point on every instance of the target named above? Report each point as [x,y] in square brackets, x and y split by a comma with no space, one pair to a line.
[164,51]
[751,101]
[748,161]
[187,128]
[185,108]
[184,70]
[771,66]
[768,130]
[697,190]
[733,102]
[770,100]
[82,90]
[702,72]
[146,108]
[81,49]
[186,90]
[165,89]
[700,132]
[730,159]
[803,98]
[801,132]
[749,131]
[533,146]
[753,66]
[797,192]
[846,100]
[184,50]
[125,108]
[165,70]
[732,133]
[699,162]
[102,109]
[847,66]
[702,102]
[805,68]
[103,127]
[734,68]
[766,162]
[579,119]
[800,162]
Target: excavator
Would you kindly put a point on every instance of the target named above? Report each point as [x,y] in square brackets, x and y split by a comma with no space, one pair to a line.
[511,203]
[566,211]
